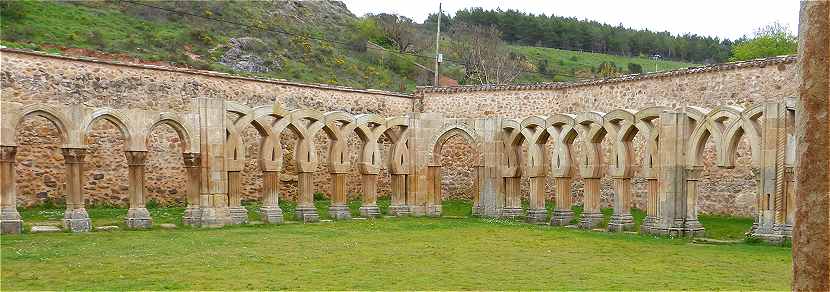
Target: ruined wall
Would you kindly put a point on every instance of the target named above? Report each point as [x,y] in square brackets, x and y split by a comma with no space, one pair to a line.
[37,78]
[729,191]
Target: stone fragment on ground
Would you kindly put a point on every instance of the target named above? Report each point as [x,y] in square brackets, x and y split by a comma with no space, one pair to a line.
[44,228]
[167,225]
[106,228]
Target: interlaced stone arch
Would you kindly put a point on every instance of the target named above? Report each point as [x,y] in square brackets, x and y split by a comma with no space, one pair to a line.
[449,131]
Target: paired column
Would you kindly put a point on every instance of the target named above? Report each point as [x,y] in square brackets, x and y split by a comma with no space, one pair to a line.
[691,226]
[622,220]
[562,213]
[270,210]
[239,215]
[591,213]
[75,218]
[306,211]
[478,209]
[192,164]
[536,212]
[435,195]
[339,208]
[398,206]
[10,221]
[652,220]
[512,197]
[369,208]
[137,215]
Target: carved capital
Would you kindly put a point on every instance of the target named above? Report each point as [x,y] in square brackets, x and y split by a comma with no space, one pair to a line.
[693,173]
[73,155]
[192,159]
[7,153]
[136,157]
[789,174]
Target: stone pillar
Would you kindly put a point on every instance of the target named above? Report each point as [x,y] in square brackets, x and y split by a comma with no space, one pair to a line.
[562,213]
[436,197]
[691,226]
[192,164]
[789,191]
[536,213]
[652,220]
[671,179]
[137,215]
[339,208]
[398,206]
[10,221]
[270,210]
[214,178]
[622,220]
[239,215]
[512,197]
[478,209]
[811,233]
[75,218]
[306,211]
[369,208]
[591,213]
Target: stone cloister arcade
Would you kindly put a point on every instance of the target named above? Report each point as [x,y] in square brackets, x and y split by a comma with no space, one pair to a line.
[671,141]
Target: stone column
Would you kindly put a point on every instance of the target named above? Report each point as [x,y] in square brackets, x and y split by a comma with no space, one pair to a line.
[339,208]
[536,213]
[562,213]
[270,210]
[75,218]
[789,191]
[512,198]
[811,233]
[398,206]
[214,179]
[478,209]
[192,164]
[652,220]
[691,226]
[137,215]
[10,221]
[622,220]
[239,215]
[369,208]
[436,197]
[306,211]
[591,213]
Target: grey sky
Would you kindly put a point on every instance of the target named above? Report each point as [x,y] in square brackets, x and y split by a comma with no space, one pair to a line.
[723,18]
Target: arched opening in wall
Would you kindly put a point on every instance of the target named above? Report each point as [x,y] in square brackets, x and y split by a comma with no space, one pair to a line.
[251,180]
[457,174]
[289,194]
[639,184]
[354,187]
[106,184]
[727,198]
[40,172]
[323,180]
[384,177]
[165,177]
[577,182]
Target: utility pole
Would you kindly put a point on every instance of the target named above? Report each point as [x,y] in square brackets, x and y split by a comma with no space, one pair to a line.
[437,41]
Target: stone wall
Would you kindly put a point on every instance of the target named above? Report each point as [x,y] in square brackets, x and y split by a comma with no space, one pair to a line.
[37,78]
[728,191]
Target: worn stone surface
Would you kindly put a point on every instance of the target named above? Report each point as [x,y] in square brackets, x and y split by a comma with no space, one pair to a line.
[44,228]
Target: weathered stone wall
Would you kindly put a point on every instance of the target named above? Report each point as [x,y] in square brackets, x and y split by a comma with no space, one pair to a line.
[728,191]
[35,78]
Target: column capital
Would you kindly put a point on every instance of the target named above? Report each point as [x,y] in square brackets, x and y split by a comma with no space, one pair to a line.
[73,155]
[136,157]
[192,160]
[693,173]
[8,153]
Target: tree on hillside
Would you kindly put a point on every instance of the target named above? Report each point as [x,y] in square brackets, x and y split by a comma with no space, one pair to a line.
[484,55]
[772,40]
[402,32]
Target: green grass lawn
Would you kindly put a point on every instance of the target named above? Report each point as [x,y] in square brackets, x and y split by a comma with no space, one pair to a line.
[394,254]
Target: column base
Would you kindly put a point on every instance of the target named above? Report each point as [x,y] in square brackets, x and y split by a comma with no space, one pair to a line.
[650,225]
[306,214]
[77,220]
[477,210]
[537,216]
[590,220]
[621,222]
[511,212]
[10,221]
[399,210]
[192,216]
[434,210]
[340,212]
[688,228]
[138,218]
[214,217]
[239,215]
[417,210]
[561,217]
[271,214]
[371,211]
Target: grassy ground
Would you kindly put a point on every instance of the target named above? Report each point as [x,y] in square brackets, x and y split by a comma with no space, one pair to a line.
[393,254]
